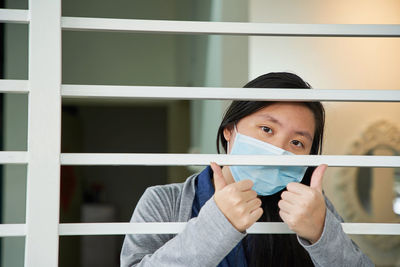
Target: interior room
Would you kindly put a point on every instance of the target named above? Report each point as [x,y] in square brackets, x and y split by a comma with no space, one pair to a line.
[124,125]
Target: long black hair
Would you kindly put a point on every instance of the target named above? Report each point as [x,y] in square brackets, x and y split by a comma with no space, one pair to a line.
[274,249]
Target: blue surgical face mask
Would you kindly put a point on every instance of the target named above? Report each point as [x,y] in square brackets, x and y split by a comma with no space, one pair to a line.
[267,179]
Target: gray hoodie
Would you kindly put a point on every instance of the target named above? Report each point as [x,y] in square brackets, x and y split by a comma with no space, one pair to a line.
[209,237]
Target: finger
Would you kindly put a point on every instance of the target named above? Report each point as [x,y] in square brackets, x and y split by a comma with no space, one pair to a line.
[316,178]
[296,188]
[290,197]
[253,204]
[284,216]
[219,181]
[256,214]
[243,185]
[286,206]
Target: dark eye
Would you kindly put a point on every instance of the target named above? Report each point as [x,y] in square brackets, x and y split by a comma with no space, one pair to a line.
[266,129]
[297,143]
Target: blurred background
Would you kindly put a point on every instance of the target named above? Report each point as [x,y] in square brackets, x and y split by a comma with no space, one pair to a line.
[109,194]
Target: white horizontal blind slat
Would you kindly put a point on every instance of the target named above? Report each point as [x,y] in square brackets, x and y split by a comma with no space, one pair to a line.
[12,230]
[169,159]
[67,229]
[273,94]
[13,157]
[14,15]
[14,86]
[230,28]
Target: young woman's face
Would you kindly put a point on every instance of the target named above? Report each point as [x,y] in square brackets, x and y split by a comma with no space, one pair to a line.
[287,125]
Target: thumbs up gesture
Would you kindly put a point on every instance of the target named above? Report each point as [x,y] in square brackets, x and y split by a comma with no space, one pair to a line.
[237,201]
[303,208]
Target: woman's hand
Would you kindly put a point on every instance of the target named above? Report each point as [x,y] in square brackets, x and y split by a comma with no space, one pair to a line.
[237,201]
[303,208]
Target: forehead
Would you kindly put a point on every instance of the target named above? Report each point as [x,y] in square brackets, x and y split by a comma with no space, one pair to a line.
[289,114]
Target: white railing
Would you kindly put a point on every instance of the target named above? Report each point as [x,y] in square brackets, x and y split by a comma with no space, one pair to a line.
[174,228]
[14,16]
[170,159]
[231,28]
[165,92]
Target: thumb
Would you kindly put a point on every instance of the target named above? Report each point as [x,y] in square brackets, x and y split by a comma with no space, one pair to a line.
[316,178]
[218,176]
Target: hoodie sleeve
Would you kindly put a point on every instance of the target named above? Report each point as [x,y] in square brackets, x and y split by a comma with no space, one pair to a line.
[205,240]
[334,247]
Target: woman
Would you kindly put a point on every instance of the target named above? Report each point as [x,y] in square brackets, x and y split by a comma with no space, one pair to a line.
[220,204]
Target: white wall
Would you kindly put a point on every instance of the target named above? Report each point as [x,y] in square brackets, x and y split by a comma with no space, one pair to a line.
[226,66]
[333,63]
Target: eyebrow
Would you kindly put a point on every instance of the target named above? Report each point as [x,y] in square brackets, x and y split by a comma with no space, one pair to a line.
[270,118]
[305,134]
[274,120]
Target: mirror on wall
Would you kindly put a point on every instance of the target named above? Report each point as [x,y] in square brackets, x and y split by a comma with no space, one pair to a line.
[383,177]
[372,195]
